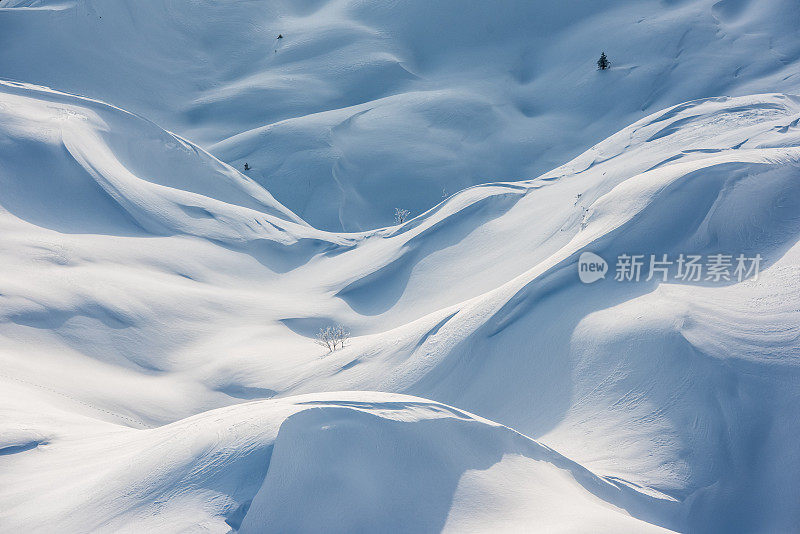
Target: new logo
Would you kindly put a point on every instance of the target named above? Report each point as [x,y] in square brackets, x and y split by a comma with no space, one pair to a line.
[591,267]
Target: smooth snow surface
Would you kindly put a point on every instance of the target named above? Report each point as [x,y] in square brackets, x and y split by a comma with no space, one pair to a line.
[158,371]
[365,106]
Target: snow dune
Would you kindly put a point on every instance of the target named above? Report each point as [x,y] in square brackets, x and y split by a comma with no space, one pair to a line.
[121,164]
[158,304]
[363,107]
[150,291]
[364,459]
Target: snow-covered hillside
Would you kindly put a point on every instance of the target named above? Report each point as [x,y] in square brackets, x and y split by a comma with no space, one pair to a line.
[158,307]
[134,297]
[362,106]
[365,460]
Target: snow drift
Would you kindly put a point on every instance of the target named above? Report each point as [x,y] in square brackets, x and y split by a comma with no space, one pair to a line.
[363,459]
[158,306]
[150,290]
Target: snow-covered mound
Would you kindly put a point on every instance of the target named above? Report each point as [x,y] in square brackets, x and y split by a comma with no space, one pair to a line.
[113,227]
[665,375]
[80,166]
[362,107]
[336,462]
[148,287]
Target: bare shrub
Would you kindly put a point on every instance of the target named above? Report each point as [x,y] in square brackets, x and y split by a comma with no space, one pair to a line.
[332,337]
[400,215]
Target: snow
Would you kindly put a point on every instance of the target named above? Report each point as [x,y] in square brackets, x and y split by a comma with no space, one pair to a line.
[250,465]
[158,306]
[363,107]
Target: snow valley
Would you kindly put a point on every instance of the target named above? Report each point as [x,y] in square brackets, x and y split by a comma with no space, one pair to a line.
[344,266]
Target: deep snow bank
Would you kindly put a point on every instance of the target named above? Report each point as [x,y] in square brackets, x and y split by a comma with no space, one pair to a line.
[72,165]
[114,233]
[335,462]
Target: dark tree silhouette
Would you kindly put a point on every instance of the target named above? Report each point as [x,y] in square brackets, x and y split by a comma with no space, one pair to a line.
[603,63]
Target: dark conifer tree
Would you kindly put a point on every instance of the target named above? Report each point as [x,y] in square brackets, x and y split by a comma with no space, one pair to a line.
[603,63]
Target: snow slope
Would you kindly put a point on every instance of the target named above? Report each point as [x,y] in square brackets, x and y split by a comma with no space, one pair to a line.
[363,107]
[364,460]
[149,291]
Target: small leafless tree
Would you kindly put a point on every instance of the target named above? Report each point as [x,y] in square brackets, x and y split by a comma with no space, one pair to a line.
[332,337]
[400,215]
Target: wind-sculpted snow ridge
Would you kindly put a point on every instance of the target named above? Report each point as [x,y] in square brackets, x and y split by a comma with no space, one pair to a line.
[333,462]
[665,375]
[149,291]
[115,231]
[125,173]
[362,107]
